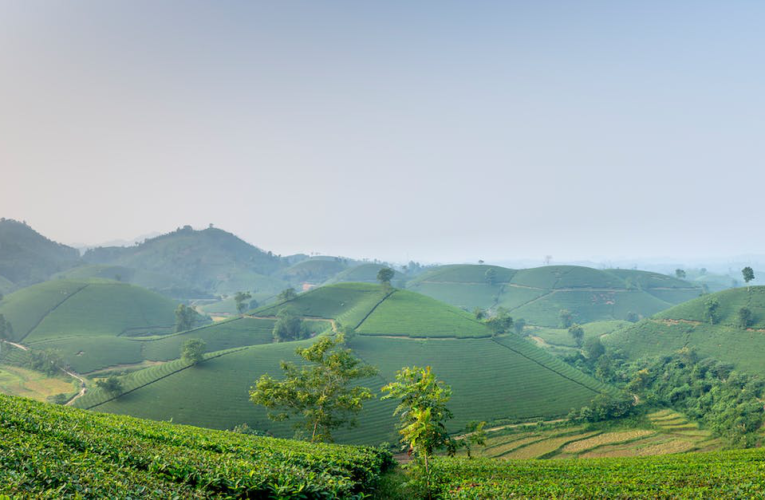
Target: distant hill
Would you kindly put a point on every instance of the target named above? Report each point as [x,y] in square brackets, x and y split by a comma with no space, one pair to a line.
[539,294]
[27,257]
[687,325]
[314,271]
[363,273]
[90,323]
[211,260]
[394,329]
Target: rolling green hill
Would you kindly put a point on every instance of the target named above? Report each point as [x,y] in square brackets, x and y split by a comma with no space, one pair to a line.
[90,322]
[539,294]
[687,325]
[27,257]
[363,273]
[211,260]
[314,270]
[509,377]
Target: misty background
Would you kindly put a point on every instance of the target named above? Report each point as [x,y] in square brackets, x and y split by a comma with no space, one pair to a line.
[590,131]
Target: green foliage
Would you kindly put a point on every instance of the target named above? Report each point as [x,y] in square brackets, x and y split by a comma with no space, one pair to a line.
[475,436]
[745,317]
[54,451]
[241,299]
[479,313]
[47,361]
[286,295]
[289,326]
[733,474]
[501,322]
[193,351]
[112,385]
[423,413]
[384,276]
[680,274]
[6,329]
[519,325]
[577,333]
[748,274]
[593,348]
[185,318]
[320,392]
[604,407]
[711,310]
[565,318]
[633,317]
[490,276]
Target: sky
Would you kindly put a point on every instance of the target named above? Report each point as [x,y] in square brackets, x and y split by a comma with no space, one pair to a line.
[437,131]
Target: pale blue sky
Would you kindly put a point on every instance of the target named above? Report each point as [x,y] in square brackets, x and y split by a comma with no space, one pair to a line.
[426,130]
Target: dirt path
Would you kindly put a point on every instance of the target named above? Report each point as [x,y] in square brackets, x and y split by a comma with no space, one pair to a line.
[83,386]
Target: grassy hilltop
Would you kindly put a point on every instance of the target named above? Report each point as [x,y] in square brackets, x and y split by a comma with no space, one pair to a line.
[509,377]
[539,294]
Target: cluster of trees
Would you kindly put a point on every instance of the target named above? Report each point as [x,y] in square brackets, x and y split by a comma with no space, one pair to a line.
[186,318]
[500,322]
[47,361]
[241,299]
[193,351]
[111,385]
[289,326]
[325,392]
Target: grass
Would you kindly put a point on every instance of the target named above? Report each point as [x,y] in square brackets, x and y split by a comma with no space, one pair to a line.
[538,294]
[17,381]
[409,314]
[685,326]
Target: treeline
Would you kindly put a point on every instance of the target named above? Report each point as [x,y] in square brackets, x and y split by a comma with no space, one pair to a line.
[706,390]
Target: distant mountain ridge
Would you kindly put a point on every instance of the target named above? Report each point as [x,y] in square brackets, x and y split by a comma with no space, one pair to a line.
[27,257]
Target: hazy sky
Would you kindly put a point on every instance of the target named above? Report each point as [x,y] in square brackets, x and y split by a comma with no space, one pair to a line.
[434,131]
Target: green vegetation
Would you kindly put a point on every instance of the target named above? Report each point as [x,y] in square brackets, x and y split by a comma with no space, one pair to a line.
[52,451]
[735,474]
[321,392]
[193,351]
[289,326]
[538,295]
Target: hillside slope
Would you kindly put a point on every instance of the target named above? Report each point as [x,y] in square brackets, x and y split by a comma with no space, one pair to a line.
[27,257]
[687,325]
[509,377]
[539,294]
[53,451]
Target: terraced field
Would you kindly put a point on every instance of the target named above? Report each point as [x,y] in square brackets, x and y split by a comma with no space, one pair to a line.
[665,432]
[509,377]
[537,295]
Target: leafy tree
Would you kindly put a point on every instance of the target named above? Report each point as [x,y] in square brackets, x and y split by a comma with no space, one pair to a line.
[240,299]
[593,348]
[633,317]
[491,276]
[287,295]
[193,351]
[384,276]
[680,274]
[519,325]
[476,436]
[185,318]
[479,313]
[744,317]
[565,318]
[111,385]
[748,275]
[289,326]
[501,322]
[577,333]
[47,361]
[711,308]
[321,391]
[423,413]
[605,407]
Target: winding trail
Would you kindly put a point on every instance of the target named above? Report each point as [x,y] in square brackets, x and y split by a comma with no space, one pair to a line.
[83,386]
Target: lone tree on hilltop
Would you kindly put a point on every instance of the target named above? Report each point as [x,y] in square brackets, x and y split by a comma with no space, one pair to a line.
[287,295]
[321,391]
[423,413]
[240,299]
[577,333]
[384,276]
[193,351]
[680,274]
[748,274]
